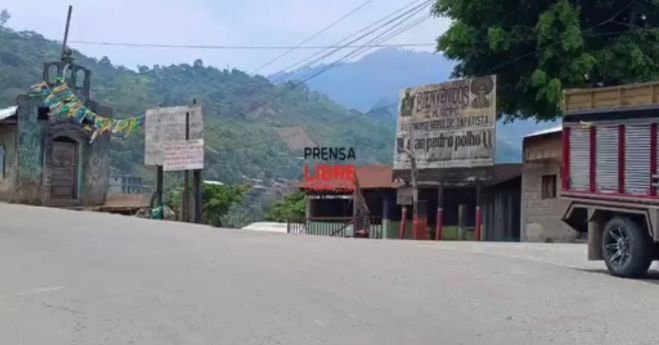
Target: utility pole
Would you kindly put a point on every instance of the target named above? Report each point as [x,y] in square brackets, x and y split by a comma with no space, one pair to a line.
[196,189]
[185,207]
[360,213]
[418,218]
[66,31]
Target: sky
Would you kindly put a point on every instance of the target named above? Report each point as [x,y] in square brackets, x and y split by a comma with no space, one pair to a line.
[207,22]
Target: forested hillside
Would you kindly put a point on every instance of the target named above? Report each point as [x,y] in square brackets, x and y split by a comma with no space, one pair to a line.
[242,113]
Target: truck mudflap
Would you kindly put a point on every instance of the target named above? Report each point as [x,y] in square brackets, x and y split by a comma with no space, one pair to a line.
[576,217]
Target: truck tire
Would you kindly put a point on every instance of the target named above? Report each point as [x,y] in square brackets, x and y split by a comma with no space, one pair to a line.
[627,248]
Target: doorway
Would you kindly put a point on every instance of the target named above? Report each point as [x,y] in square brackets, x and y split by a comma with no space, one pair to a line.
[64,181]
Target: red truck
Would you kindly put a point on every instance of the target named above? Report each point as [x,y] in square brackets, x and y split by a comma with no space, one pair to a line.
[609,173]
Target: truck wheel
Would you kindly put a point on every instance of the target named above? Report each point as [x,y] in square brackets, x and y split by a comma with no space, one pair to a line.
[627,248]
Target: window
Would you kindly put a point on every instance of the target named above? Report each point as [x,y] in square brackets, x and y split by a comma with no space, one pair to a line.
[548,187]
[42,113]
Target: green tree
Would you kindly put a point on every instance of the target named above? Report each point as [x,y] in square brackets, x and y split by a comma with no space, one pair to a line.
[291,207]
[217,200]
[4,17]
[539,48]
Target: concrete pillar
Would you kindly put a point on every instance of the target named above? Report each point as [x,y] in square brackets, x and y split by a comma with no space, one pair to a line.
[307,206]
[462,221]
[386,214]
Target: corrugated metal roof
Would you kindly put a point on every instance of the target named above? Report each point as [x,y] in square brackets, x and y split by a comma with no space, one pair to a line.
[545,131]
[7,112]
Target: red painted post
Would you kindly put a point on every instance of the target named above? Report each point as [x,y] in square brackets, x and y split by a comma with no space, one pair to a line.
[479,221]
[653,156]
[593,159]
[439,225]
[403,224]
[621,159]
[420,222]
[565,179]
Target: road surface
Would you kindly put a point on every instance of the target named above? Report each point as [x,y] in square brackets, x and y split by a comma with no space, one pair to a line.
[70,277]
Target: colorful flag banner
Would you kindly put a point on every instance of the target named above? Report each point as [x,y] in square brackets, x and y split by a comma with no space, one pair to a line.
[61,101]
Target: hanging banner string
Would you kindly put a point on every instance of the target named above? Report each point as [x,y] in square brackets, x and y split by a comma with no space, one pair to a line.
[61,101]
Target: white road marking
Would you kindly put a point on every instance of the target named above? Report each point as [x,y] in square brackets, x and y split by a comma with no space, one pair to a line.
[39,290]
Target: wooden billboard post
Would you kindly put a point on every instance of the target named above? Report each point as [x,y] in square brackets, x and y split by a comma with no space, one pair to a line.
[439,222]
[196,189]
[479,215]
[159,188]
[174,142]
[185,200]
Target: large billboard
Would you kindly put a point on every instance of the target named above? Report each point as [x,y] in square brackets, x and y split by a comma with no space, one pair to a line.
[168,126]
[448,125]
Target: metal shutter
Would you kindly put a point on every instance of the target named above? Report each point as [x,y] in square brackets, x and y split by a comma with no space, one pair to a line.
[637,159]
[606,160]
[579,158]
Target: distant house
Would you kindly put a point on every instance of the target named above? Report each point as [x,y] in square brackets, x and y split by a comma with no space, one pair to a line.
[542,207]
[127,184]
[330,203]
[49,159]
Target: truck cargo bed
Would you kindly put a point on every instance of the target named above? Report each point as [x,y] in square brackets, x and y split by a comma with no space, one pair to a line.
[610,143]
[611,98]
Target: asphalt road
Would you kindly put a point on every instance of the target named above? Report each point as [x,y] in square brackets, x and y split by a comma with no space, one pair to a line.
[82,278]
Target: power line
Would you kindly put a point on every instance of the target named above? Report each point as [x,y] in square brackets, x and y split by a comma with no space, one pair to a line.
[379,38]
[523,56]
[491,70]
[316,47]
[323,30]
[243,47]
[360,50]
[395,34]
[405,15]
[349,39]
[295,85]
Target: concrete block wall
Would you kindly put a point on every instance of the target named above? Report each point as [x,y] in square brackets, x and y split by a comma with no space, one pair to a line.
[541,218]
[8,179]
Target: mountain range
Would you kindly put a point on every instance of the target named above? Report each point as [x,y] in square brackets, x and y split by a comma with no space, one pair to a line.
[255,128]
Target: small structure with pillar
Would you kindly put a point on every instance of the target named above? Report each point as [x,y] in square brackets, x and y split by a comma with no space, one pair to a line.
[450,207]
[328,210]
[48,160]
[333,204]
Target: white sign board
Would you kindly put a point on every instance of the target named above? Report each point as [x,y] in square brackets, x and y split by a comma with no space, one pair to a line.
[449,125]
[183,155]
[165,125]
[404,196]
